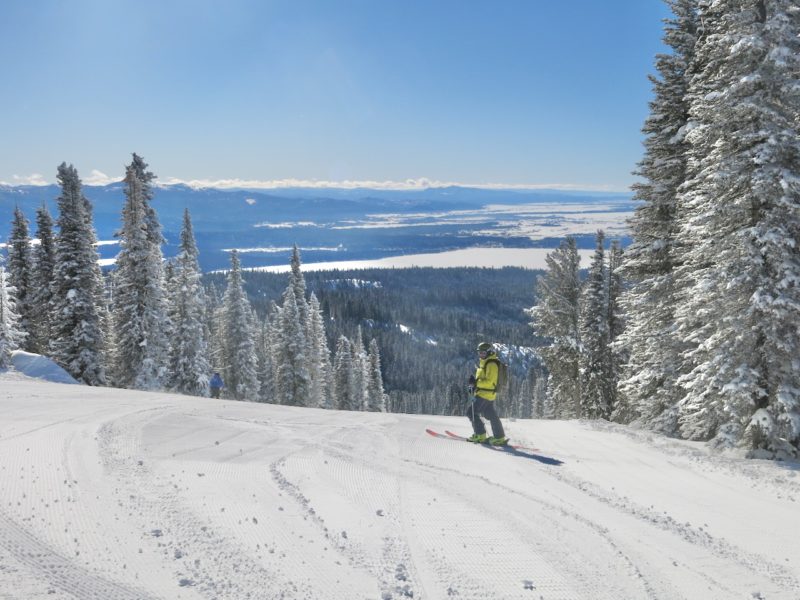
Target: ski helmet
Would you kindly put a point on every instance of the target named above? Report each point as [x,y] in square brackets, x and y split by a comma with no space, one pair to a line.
[486,347]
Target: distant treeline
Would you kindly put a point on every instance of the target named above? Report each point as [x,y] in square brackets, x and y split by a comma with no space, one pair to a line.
[427,322]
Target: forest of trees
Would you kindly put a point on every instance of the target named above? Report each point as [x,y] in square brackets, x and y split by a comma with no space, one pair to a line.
[711,306]
[428,323]
[150,324]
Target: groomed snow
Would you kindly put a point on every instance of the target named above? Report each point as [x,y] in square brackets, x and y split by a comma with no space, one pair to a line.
[111,494]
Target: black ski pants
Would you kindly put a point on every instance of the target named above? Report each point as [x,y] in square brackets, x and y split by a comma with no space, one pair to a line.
[481,407]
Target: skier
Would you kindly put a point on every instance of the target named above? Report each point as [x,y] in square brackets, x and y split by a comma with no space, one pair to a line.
[216,385]
[483,386]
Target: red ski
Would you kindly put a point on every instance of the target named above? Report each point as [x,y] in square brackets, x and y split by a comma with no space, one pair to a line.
[523,451]
[455,436]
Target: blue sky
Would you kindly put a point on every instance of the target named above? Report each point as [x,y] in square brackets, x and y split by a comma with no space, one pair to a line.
[513,92]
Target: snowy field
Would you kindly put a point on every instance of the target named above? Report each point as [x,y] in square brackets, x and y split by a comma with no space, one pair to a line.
[111,494]
[491,258]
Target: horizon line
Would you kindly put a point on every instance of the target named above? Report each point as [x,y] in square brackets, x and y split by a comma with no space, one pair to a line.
[98,179]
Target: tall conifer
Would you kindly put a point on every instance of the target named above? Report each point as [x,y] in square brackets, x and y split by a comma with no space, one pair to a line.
[77,342]
[44,256]
[648,380]
[742,207]
[20,273]
[140,303]
[238,322]
[11,335]
[556,317]
[189,366]
[595,352]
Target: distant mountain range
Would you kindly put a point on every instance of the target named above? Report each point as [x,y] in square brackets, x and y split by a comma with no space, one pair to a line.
[333,223]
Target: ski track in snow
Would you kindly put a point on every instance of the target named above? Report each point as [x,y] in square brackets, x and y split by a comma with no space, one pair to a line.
[112,494]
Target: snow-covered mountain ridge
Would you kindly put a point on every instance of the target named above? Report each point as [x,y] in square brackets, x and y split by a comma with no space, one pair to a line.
[118,494]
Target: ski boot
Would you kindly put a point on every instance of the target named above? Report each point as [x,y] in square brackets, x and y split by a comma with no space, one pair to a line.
[477,438]
[497,441]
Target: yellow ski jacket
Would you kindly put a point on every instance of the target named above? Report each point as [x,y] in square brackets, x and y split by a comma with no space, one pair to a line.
[486,378]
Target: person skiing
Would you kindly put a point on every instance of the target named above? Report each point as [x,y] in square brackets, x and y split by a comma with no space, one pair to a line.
[483,387]
[216,385]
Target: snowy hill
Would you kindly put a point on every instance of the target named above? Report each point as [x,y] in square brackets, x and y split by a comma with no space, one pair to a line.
[111,494]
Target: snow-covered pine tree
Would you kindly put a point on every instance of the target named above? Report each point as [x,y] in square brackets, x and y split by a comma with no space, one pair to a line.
[298,283]
[20,273]
[140,303]
[541,404]
[269,352]
[240,372]
[44,256]
[742,208]
[77,342]
[376,397]
[617,355]
[521,405]
[293,381]
[189,366]
[556,316]
[647,383]
[360,368]
[11,334]
[346,392]
[595,359]
[265,367]
[319,356]
[215,329]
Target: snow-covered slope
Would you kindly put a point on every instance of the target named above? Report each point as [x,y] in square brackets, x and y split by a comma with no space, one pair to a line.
[25,364]
[110,494]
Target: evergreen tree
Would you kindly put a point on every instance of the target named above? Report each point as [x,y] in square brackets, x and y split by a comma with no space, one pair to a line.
[541,407]
[648,380]
[44,257]
[11,335]
[241,368]
[319,356]
[265,366]
[595,363]
[557,317]
[293,381]
[360,370]
[376,398]
[298,283]
[20,272]
[77,342]
[617,355]
[215,329]
[189,367]
[742,205]
[270,352]
[522,402]
[140,303]
[346,393]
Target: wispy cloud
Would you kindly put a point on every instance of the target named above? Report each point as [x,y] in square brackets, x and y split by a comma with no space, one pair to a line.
[407,184]
[95,177]
[32,179]
[99,178]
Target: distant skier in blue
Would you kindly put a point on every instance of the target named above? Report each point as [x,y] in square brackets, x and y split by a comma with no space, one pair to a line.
[216,385]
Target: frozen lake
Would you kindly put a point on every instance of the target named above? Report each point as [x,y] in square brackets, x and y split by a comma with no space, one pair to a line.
[495,258]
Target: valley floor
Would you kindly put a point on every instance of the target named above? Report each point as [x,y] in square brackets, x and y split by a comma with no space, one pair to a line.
[112,494]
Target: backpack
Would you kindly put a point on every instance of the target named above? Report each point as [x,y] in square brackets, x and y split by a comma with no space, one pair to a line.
[502,372]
